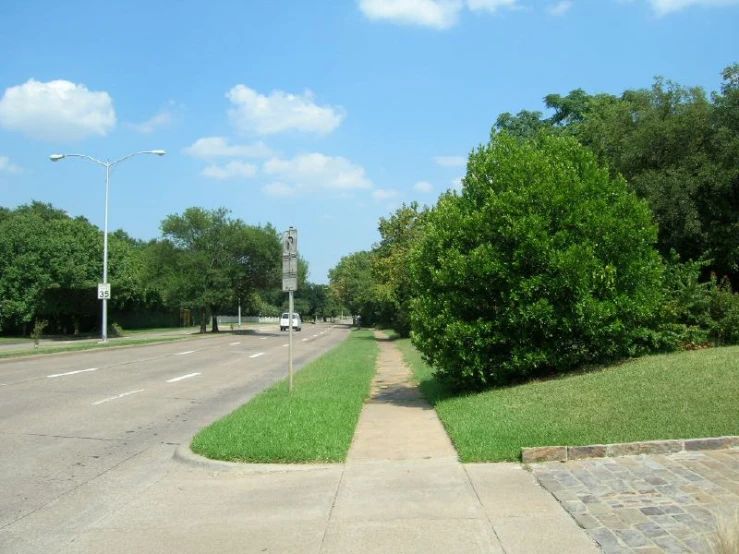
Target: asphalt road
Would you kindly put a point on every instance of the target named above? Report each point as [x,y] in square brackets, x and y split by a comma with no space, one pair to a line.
[84,433]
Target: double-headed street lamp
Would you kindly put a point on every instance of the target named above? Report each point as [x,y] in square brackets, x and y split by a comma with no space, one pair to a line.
[104,292]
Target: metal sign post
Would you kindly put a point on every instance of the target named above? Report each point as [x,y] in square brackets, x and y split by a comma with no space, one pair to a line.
[290,350]
[290,285]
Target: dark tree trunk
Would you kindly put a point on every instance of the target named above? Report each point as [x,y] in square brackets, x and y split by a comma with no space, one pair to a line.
[203,321]
[214,328]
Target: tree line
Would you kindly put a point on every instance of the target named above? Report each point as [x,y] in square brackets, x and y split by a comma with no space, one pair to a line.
[607,229]
[205,263]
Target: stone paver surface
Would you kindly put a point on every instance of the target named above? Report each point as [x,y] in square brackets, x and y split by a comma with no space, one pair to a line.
[648,504]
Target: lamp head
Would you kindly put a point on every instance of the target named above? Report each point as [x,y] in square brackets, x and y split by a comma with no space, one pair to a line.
[56,157]
[158,152]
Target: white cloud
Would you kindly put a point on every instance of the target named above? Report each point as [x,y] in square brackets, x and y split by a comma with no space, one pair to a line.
[451,161]
[491,6]
[57,111]
[279,189]
[6,166]
[457,184]
[232,170]
[560,8]
[664,7]
[218,147]
[384,194]
[316,172]
[159,119]
[252,112]
[440,14]
[424,186]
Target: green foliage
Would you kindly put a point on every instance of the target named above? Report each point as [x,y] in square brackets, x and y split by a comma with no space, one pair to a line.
[313,300]
[699,313]
[724,313]
[352,285]
[116,330]
[390,271]
[207,260]
[38,329]
[46,260]
[675,146]
[543,264]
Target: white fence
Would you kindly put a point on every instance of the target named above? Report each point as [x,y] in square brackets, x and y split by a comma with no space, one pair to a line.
[246,319]
[257,319]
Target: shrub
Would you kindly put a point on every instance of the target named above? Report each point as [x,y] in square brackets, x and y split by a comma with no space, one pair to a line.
[38,330]
[699,313]
[686,313]
[723,309]
[543,263]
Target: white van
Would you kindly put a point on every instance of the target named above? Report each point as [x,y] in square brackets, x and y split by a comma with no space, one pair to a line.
[297,323]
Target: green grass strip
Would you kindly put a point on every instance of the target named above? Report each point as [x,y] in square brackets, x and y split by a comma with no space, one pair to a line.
[45,349]
[674,396]
[314,423]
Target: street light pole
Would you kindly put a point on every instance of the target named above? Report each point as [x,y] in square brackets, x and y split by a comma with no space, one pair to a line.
[107,165]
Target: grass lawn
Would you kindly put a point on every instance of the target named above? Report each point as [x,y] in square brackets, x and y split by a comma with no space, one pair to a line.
[192,328]
[46,349]
[313,424]
[674,396]
[11,340]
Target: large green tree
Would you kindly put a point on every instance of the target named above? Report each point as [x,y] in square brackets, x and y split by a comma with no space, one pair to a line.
[677,148]
[206,260]
[352,284]
[390,270]
[49,265]
[544,263]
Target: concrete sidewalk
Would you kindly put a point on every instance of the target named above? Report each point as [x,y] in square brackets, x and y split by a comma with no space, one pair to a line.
[402,490]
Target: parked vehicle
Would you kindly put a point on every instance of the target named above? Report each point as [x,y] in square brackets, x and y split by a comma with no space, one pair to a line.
[296,322]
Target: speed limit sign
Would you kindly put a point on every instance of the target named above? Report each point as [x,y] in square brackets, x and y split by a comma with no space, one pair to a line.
[103,291]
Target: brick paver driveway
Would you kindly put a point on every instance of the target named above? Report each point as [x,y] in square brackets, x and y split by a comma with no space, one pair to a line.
[647,504]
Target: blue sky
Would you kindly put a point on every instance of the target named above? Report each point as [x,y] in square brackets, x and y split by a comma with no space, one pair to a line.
[320,115]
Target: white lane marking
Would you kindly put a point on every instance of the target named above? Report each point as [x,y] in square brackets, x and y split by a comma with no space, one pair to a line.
[3,385]
[314,336]
[116,397]
[305,340]
[183,353]
[183,377]
[284,345]
[234,343]
[257,355]
[264,338]
[71,373]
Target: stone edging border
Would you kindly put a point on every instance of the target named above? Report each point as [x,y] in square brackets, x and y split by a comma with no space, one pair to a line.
[563,453]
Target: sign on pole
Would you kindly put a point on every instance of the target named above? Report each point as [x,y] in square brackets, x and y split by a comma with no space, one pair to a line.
[290,260]
[103,291]
[289,285]
[290,242]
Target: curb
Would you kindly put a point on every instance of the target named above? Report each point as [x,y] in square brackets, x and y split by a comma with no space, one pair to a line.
[21,354]
[184,455]
[564,453]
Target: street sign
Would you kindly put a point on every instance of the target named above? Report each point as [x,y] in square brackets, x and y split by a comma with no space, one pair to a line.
[290,266]
[289,284]
[103,291]
[290,260]
[290,242]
